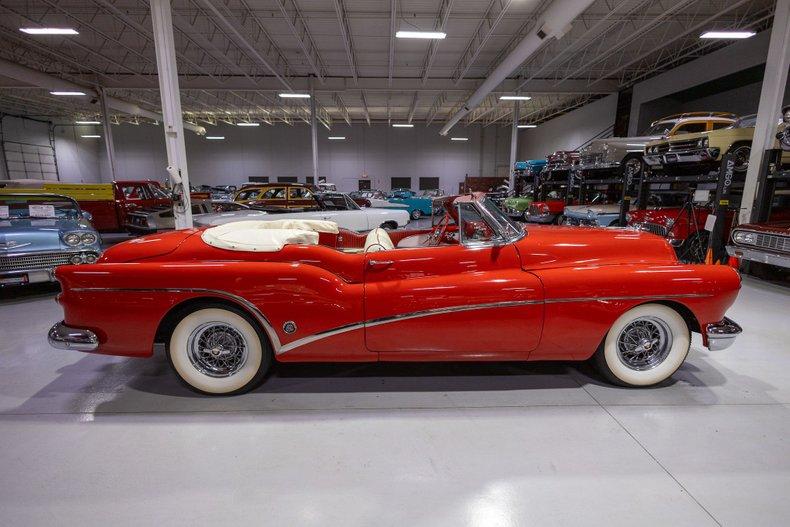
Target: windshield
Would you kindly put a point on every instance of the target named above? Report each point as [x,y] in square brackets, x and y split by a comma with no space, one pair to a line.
[508,228]
[662,128]
[747,121]
[27,207]
[158,192]
[337,202]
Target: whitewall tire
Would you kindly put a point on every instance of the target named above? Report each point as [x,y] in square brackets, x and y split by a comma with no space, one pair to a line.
[218,351]
[645,346]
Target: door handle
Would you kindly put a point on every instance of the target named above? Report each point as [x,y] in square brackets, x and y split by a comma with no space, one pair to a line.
[379,264]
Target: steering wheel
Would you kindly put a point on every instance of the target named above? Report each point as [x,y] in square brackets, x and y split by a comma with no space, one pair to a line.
[438,233]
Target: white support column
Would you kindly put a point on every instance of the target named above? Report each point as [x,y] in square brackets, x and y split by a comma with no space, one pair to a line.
[768,112]
[513,145]
[314,132]
[162,20]
[109,144]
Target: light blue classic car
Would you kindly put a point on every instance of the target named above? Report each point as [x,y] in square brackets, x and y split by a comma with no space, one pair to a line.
[39,232]
[418,206]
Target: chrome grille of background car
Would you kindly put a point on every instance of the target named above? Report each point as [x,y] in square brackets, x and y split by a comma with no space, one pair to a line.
[591,159]
[33,261]
[773,242]
[682,145]
[662,148]
[654,228]
[587,222]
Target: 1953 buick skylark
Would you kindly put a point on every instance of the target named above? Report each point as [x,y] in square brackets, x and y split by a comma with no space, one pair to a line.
[228,301]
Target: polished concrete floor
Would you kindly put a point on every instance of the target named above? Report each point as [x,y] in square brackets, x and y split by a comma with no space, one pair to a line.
[91,440]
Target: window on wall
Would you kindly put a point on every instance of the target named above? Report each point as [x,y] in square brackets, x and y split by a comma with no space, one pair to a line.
[287,179]
[310,180]
[363,184]
[259,179]
[400,182]
[429,183]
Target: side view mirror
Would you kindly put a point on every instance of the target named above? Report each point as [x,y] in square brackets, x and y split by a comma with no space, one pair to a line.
[87,215]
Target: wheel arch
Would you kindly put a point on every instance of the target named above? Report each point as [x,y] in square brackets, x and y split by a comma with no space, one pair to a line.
[688,315]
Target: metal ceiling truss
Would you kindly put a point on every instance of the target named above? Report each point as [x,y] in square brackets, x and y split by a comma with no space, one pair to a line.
[345,34]
[433,47]
[295,21]
[494,14]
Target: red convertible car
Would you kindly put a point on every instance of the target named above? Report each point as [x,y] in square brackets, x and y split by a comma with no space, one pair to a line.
[228,301]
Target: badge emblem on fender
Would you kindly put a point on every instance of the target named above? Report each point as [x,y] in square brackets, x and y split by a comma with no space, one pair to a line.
[289,327]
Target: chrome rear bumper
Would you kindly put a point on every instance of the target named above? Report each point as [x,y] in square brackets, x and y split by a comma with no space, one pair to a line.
[722,334]
[757,255]
[63,337]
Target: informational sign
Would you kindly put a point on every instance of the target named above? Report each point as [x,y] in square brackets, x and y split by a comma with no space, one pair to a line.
[710,222]
[3,211]
[701,196]
[41,211]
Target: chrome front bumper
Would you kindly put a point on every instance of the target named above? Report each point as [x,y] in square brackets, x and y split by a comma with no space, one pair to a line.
[63,337]
[601,165]
[758,255]
[722,334]
[542,218]
[701,155]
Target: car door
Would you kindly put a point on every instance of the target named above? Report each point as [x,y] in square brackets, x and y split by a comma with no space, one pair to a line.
[456,301]
[300,198]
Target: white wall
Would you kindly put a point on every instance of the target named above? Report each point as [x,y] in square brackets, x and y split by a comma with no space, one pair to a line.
[379,151]
[569,131]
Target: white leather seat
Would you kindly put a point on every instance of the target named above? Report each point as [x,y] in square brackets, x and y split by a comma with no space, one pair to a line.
[256,236]
[378,240]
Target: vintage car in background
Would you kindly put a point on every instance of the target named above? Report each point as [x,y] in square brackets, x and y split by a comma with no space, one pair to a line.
[418,205]
[516,206]
[323,186]
[223,192]
[376,198]
[39,232]
[561,160]
[156,219]
[332,206]
[271,196]
[602,214]
[302,291]
[767,243]
[702,152]
[623,155]
[548,211]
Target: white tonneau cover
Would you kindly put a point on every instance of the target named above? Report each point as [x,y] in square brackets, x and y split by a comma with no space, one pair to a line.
[266,236]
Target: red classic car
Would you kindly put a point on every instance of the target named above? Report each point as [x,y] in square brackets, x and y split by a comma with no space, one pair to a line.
[548,211]
[228,301]
[767,243]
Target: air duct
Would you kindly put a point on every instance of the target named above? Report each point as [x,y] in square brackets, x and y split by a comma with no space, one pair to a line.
[554,23]
[44,80]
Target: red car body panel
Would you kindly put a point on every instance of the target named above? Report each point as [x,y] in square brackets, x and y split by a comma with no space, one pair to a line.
[551,295]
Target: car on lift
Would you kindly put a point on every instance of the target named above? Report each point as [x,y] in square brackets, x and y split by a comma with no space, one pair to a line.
[39,232]
[624,155]
[157,219]
[458,291]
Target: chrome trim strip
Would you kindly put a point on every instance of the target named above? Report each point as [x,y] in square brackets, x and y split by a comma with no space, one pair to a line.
[282,348]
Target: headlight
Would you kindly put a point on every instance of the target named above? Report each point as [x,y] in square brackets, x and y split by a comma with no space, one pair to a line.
[73,239]
[745,238]
[88,238]
[703,143]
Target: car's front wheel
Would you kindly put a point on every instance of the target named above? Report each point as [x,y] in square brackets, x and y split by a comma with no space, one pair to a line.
[416,214]
[219,351]
[645,346]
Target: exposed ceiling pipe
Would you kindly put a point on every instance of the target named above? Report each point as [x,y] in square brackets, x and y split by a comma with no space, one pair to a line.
[47,81]
[553,23]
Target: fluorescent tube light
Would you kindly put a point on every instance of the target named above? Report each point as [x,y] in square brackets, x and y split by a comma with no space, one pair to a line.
[68,93]
[527,126]
[337,138]
[248,124]
[215,137]
[91,136]
[514,98]
[421,34]
[294,95]
[459,139]
[49,31]
[87,122]
[728,34]
[402,125]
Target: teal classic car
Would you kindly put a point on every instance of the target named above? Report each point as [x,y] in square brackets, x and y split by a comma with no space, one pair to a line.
[39,232]
[418,206]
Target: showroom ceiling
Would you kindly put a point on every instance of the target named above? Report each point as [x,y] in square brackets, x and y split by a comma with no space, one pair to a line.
[235,56]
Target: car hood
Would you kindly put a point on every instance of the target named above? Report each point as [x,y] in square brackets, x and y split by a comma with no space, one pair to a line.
[37,234]
[146,246]
[782,228]
[583,210]
[625,143]
[548,246]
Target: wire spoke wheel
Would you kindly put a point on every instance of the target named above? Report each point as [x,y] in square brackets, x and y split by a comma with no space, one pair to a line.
[644,343]
[217,349]
[695,249]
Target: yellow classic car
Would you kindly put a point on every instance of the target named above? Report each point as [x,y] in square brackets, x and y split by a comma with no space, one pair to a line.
[705,149]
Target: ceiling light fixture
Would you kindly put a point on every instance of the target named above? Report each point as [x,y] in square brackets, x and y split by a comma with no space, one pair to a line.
[402,125]
[294,95]
[248,124]
[527,126]
[459,139]
[91,136]
[337,138]
[728,34]
[67,93]
[436,35]
[514,98]
[215,137]
[87,122]
[49,31]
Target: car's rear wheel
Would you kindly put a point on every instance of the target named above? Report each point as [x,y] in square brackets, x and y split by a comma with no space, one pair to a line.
[416,214]
[644,347]
[219,351]
[389,225]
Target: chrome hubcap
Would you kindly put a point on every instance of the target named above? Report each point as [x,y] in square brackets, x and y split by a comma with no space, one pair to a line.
[217,349]
[644,343]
